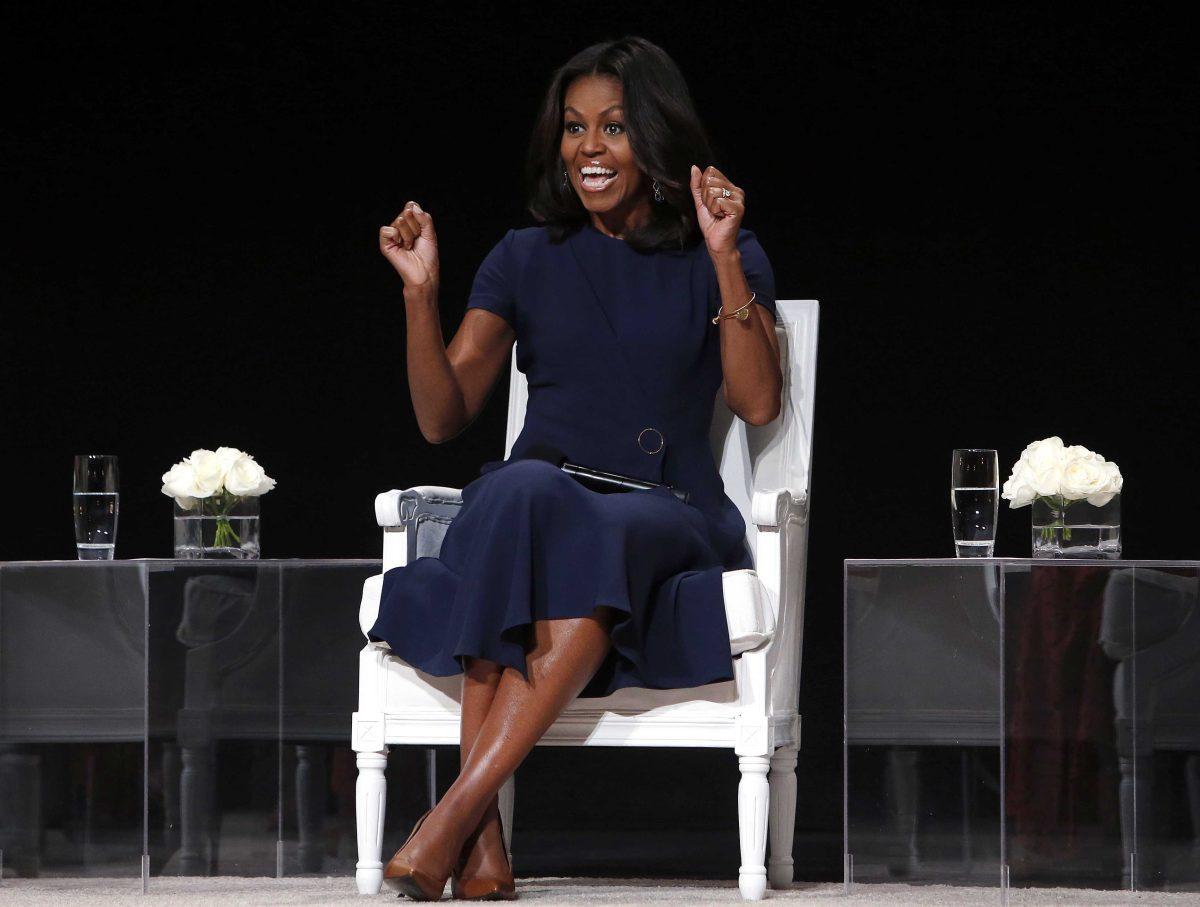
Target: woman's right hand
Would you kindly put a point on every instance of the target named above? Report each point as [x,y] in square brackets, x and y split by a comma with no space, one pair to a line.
[410,244]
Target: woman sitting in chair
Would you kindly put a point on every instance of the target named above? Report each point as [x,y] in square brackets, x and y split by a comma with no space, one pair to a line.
[634,300]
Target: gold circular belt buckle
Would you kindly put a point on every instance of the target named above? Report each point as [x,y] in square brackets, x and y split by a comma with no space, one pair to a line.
[661,441]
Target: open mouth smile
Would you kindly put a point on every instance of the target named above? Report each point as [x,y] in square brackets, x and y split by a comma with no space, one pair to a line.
[594,178]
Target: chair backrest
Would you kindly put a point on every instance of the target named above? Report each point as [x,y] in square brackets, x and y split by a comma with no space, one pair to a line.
[750,457]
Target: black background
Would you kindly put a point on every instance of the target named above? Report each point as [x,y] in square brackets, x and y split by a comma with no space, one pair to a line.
[995,205]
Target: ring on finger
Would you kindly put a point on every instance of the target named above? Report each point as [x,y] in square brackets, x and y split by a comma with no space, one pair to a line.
[725,193]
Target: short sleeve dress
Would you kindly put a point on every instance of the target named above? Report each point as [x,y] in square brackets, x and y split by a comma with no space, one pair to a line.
[623,366]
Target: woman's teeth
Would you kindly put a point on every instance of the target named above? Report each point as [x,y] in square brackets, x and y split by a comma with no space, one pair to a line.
[596,179]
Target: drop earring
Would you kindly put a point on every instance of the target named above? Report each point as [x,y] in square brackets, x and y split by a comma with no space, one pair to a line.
[658,193]
[565,181]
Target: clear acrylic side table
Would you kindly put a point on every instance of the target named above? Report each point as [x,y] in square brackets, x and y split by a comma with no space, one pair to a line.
[170,717]
[1015,722]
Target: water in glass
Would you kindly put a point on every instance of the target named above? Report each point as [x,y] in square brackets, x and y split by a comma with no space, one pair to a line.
[96,506]
[974,500]
[95,524]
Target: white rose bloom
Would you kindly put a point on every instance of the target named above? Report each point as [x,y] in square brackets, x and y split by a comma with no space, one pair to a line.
[266,485]
[1018,490]
[179,482]
[245,476]
[1079,452]
[1044,454]
[1048,482]
[228,456]
[1112,485]
[1045,460]
[209,470]
[1047,468]
[1083,478]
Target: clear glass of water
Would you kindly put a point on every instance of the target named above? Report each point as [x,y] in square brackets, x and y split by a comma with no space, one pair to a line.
[95,501]
[974,498]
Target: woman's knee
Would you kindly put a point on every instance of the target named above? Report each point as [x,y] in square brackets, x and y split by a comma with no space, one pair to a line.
[482,670]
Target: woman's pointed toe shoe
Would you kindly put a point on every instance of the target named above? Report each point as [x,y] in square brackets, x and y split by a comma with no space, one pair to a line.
[401,876]
[481,888]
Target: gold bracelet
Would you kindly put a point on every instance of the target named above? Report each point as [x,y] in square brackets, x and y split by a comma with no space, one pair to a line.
[740,314]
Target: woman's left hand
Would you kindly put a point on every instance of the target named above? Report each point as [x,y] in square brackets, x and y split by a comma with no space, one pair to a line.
[720,216]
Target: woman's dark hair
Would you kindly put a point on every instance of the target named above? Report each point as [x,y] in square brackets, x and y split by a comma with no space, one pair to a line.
[664,132]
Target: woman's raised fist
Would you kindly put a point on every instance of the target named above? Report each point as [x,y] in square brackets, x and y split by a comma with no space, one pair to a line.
[720,206]
[410,244]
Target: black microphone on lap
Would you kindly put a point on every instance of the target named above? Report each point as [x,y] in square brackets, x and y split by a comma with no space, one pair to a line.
[596,479]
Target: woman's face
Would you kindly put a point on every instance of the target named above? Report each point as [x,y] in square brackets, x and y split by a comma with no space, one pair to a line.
[595,147]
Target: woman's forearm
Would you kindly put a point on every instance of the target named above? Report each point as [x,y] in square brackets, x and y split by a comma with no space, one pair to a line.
[437,398]
[749,351]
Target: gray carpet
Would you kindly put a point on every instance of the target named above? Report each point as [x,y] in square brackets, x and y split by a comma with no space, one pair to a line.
[543,891]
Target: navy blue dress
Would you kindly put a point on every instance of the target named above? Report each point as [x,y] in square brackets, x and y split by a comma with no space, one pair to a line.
[613,342]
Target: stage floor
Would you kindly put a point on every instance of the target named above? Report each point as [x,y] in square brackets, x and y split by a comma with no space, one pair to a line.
[544,891]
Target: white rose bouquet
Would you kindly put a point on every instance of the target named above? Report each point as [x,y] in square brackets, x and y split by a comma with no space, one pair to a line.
[1060,475]
[225,475]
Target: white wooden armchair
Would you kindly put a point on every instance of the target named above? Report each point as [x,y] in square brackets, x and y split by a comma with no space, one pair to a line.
[766,473]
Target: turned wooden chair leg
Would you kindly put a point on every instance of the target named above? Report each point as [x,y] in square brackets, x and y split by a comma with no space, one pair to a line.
[370,804]
[753,801]
[782,783]
[310,805]
[197,820]
[507,795]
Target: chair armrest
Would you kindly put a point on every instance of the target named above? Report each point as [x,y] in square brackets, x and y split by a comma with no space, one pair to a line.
[772,509]
[396,508]
[368,608]
[748,611]
[414,521]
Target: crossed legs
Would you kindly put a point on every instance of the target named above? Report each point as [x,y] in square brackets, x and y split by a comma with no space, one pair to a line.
[486,844]
[503,717]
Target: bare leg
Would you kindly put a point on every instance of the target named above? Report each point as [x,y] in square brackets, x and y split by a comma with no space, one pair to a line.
[486,855]
[565,655]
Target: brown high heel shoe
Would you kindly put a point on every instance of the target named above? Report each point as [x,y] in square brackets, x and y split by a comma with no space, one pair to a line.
[482,888]
[406,879]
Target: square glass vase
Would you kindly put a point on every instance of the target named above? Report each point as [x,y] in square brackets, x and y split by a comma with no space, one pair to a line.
[1076,529]
[222,527]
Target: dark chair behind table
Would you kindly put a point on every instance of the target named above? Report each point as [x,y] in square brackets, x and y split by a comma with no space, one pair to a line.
[1151,627]
[265,687]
